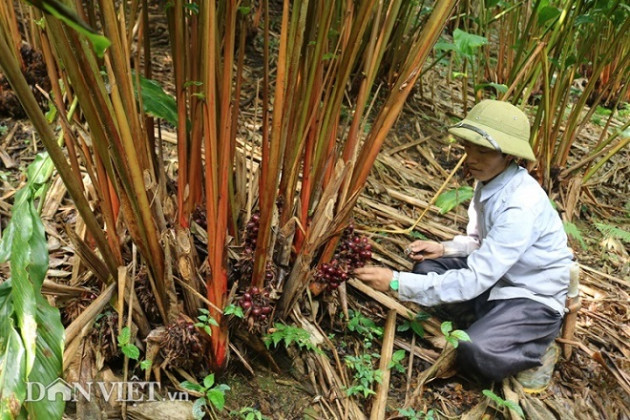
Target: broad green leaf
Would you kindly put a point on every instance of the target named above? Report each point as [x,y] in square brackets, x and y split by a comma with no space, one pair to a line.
[450,199]
[217,398]
[503,403]
[398,355]
[547,14]
[124,337]
[12,373]
[446,327]
[41,169]
[222,387]
[444,46]
[51,114]
[418,329]
[514,406]
[192,386]
[460,335]
[422,316]
[494,397]
[6,242]
[467,44]
[6,305]
[131,351]
[235,310]
[452,341]
[208,381]
[198,408]
[499,87]
[29,262]
[70,18]
[146,364]
[156,101]
[403,327]
[48,360]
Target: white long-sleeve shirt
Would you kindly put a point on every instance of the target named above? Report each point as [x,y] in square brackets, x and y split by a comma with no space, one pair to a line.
[515,243]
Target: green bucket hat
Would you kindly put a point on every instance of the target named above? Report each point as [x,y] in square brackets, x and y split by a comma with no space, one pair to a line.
[497,125]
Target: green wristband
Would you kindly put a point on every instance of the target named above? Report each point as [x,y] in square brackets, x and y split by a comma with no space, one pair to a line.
[395,280]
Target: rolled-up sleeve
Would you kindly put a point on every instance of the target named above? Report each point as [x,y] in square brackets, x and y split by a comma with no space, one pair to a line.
[464,245]
[512,233]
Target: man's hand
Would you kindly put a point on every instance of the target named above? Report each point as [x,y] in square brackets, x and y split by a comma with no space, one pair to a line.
[421,250]
[376,277]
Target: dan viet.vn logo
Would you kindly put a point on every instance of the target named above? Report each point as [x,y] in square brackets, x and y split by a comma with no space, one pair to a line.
[130,391]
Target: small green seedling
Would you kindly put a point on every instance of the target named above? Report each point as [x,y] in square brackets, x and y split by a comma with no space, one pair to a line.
[411,414]
[213,396]
[364,374]
[415,324]
[249,413]
[206,321]
[235,310]
[146,364]
[290,334]
[500,402]
[365,327]
[130,350]
[395,363]
[453,337]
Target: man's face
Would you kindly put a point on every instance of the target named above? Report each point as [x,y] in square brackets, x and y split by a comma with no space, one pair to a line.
[484,163]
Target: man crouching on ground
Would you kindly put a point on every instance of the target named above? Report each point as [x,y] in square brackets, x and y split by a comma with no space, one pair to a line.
[512,267]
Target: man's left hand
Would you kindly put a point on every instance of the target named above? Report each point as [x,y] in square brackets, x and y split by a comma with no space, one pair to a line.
[376,277]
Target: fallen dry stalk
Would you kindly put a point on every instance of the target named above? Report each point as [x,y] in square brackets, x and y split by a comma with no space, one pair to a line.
[380,401]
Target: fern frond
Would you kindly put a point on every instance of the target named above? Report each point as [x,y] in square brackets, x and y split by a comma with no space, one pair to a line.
[574,232]
[614,231]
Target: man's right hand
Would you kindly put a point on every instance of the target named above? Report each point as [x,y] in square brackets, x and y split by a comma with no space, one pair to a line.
[424,250]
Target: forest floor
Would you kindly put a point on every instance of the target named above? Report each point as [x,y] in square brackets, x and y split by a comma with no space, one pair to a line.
[593,383]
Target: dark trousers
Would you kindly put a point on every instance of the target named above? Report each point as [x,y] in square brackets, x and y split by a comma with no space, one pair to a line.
[506,336]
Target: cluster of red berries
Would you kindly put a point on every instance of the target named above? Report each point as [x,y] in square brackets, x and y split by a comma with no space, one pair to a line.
[255,303]
[352,252]
[332,274]
[251,233]
[353,249]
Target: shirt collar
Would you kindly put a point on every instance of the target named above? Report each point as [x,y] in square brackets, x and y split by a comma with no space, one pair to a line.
[498,182]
